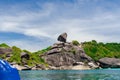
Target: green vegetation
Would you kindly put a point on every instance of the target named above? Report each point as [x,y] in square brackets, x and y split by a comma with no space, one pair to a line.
[30,59]
[92,48]
[75,42]
[15,55]
[40,52]
[4,45]
[33,59]
[2,56]
[99,50]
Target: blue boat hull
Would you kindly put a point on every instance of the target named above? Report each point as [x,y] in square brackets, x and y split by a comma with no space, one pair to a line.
[7,72]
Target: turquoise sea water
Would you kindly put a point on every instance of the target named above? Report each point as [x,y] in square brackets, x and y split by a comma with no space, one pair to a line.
[101,74]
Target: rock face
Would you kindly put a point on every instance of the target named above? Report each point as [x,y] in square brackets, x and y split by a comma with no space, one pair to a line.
[5,50]
[25,55]
[62,37]
[109,63]
[66,54]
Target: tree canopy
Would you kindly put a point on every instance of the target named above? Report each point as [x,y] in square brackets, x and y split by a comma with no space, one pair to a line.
[99,50]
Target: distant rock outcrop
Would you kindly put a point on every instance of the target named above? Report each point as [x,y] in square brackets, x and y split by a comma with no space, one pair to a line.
[62,37]
[109,62]
[5,50]
[61,55]
[66,54]
[25,55]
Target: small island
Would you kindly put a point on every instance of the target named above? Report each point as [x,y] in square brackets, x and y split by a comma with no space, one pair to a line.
[64,55]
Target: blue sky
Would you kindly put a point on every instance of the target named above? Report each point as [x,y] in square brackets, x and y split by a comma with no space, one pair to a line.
[36,24]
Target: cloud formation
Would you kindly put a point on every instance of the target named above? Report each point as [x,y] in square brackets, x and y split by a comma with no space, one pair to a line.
[83,20]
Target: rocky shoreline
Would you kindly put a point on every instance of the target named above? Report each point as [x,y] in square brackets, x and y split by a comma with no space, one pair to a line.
[63,56]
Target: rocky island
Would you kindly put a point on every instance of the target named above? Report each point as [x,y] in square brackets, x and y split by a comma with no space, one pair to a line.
[63,55]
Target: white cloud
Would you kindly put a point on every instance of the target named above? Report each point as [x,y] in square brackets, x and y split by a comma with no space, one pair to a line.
[28,45]
[53,19]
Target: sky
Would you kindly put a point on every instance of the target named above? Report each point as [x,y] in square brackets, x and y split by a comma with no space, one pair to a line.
[36,24]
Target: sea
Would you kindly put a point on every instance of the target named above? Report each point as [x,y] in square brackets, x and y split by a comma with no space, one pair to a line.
[98,74]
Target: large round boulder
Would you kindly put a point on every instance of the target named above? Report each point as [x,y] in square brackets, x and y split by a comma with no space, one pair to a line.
[109,62]
[62,37]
